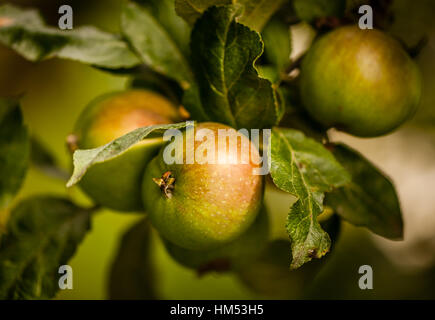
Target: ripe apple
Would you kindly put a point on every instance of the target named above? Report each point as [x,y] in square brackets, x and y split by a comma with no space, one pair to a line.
[116,183]
[359,81]
[200,206]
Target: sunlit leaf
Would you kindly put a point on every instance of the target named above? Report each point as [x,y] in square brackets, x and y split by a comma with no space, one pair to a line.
[24,31]
[84,159]
[304,168]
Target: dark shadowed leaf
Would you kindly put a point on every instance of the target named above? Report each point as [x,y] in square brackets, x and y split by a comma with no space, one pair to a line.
[255,13]
[192,102]
[148,79]
[133,275]
[25,32]
[304,168]
[41,235]
[296,116]
[270,276]
[309,10]
[14,150]
[191,10]
[84,159]
[42,159]
[231,91]
[370,200]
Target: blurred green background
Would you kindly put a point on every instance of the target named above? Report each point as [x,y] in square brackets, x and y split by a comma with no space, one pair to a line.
[55,91]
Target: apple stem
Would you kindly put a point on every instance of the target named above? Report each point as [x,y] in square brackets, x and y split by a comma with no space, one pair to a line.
[166,184]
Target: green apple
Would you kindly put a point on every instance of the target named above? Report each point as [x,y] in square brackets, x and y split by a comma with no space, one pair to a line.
[116,183]
[359,81]
[200,206]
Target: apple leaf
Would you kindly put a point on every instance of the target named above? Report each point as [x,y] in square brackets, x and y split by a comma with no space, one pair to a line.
[133,274]
[164,13]
[306,169]
[277,43]
[370,200]
[84,159]
[14,150]
[41,158]
[256,13]
[157,48]
[192,102]
[231,91]
[161,39]
[24,31]
[191,10]
[41,235]
[309,10]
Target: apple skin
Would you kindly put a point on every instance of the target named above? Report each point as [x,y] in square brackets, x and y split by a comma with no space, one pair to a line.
[235,254]
[116,183]
[359,81]
[211,204]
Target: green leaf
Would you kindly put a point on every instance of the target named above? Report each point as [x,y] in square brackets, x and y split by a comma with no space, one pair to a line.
[133,274]
[277,44]
[25,32]
[370,200]
[304,168]
[161,40]
[310,10]
[14,150]
[268,72]
[42,159]
[191,10]
[192,103]
[42,234]
[231,91]
[84,159]
[164,12]
[256,13]
[148,79]
[156,47]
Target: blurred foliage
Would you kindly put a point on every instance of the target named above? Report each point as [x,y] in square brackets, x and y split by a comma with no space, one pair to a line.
[15,145]
[43,234]
[370,200]
[133,274]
